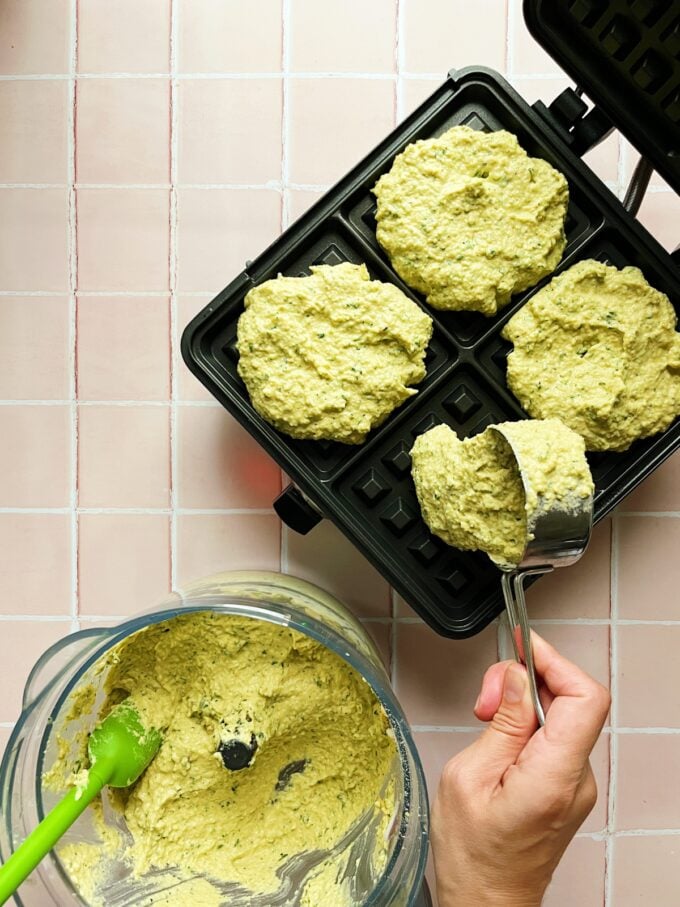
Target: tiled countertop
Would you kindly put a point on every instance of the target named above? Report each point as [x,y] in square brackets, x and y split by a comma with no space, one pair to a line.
[148,148]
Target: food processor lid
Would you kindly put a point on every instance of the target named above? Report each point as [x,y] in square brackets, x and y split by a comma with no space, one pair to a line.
[625,55]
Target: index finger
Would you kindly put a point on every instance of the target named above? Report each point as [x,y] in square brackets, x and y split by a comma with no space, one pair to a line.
[578,712]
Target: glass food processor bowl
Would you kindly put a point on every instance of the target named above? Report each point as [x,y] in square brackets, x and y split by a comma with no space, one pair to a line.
[71,664]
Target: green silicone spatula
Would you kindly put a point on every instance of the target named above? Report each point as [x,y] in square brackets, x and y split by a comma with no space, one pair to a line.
[120,748]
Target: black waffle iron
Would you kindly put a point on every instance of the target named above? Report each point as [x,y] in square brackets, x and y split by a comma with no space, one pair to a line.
[624,54]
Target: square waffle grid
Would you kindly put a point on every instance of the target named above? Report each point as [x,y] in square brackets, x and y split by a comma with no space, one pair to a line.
[631,50]
[367,490]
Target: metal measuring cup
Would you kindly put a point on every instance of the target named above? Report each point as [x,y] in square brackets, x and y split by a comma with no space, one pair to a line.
[558,533]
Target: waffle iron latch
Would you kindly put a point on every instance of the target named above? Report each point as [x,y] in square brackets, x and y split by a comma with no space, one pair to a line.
[296,510]
[577,126]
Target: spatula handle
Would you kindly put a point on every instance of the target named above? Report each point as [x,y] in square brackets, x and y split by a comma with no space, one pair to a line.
[43,838]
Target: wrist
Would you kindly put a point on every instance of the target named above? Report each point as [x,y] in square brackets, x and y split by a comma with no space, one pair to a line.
[479,896]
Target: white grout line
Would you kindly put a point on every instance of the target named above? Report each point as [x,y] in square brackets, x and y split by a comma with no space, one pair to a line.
[144,511]
[7,724]
[613,718]
[172,264]
[37,618]
[73,312]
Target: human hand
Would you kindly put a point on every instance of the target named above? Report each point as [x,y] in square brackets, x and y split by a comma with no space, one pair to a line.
[509,804]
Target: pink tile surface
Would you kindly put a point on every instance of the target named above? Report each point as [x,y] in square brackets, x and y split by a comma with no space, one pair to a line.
[4,738]
[34,348]
[124,456]
[123,348]
[37,579]
[218,230]
[124,562]
[580,877]
[354,37]
[582,591]
[325,557]
[221,122]
[188,387]
[438,680]
[648,788]
[648,568]
[648,676]
[209,543]
[442,35]
[122,131]
[33,107]
[660,212]
[35,36]
[35,456]
[142,261]
[123,239]
[220,465]
[660,492]
[336,122]
[22,642]
[136,38]
[646,871]
[33,239]
[215,36]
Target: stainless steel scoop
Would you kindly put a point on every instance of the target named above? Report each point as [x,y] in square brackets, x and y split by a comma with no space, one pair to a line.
[558,533]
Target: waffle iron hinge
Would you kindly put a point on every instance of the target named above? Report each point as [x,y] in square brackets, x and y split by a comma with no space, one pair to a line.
[576,125]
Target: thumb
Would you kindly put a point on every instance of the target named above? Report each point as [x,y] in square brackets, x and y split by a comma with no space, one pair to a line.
[511,727]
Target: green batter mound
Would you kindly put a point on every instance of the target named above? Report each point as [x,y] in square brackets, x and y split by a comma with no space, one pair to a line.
[312,741]
[330,356]
[598,348]
[469,218]
[471,493]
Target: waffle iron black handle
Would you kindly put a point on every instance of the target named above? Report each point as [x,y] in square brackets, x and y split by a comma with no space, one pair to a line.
[296,511]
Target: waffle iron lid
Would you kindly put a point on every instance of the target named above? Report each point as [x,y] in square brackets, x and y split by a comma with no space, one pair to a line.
[625,55]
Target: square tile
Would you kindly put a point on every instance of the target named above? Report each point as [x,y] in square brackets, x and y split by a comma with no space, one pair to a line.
[124,456]
[231,36]
[123,131]
[648,786]
[188,386]
[646,871]
[649,676]
[436,748]
[135,39]
[123,239]
[123,348]
[579,878]
[33,150]
[415,91]
[221,121]
[34,348]
[22,642]
[35,570]
[33,240]
[660,213]
[35,456]
[526,56]
[586,645]
[300,201]
[583,590]
[381,634]
[445,34]
[545,90]
[660,492]
[438,680]
[403,609]
[220,465]
[35,36]
[353,36]
[334,123]
[648,567]
[603,159]
[123,562]
[328,559]
[219,230]
[208,544]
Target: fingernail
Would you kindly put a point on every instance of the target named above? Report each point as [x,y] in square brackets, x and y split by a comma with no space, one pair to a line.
[479,699]
[515,683]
